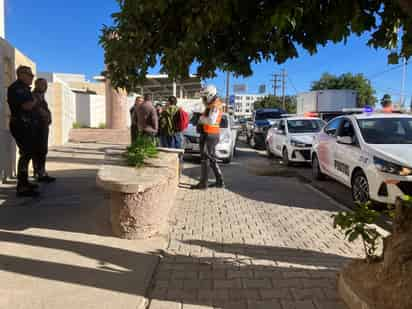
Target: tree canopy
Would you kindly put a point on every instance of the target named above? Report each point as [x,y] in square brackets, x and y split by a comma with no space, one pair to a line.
[272,101]
[366,94]
[230,35]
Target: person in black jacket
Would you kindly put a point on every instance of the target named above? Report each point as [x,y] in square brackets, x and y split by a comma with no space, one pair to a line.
[22,127]
[43,121]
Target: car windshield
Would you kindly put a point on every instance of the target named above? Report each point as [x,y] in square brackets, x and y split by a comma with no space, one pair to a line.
[267,115]
[196,116]
[305,125]
[386,130]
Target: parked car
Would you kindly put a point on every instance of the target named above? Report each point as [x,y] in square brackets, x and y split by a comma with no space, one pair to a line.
[262,120]
[292,138]
[225,150]
[369,153]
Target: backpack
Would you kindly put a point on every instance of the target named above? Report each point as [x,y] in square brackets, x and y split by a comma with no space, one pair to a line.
[181,120]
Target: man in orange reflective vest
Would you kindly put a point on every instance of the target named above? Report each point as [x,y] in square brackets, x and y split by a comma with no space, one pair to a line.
[209,129]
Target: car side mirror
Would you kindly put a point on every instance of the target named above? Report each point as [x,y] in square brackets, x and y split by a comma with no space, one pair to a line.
[280,132]
[346,140]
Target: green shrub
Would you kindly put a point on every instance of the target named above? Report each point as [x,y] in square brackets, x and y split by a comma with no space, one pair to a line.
[356,224]
[144,147]
[102,125]
[76,125]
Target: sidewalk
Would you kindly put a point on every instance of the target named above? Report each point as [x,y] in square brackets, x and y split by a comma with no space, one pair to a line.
[265,242]
[56,252]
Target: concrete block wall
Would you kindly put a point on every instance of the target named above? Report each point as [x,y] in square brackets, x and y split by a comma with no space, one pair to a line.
[90,110]
[10,59]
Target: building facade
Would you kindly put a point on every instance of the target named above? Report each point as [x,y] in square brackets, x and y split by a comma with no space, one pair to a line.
[243,106]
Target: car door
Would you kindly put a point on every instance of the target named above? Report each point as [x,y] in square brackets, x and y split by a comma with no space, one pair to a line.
[271,137]
[279,137]
[326,146]
[347,156]
[233,131]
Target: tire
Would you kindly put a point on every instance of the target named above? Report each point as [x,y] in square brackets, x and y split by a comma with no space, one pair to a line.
[316,172]
[285,157]
[360,188]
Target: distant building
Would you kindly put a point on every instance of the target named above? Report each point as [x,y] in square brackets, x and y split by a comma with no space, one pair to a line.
[243,106]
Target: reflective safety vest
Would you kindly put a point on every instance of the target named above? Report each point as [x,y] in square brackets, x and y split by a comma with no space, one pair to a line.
[213,126]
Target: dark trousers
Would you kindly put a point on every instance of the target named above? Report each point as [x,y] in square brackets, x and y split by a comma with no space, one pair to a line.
[171,141]
[208,158]
[41,150]
[133,133]
[24,135]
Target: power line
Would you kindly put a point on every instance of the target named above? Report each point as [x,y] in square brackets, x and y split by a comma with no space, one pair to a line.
[386,71]
[293,85]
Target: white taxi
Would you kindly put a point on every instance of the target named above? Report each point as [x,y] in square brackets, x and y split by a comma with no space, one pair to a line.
[370,153]
[292,138]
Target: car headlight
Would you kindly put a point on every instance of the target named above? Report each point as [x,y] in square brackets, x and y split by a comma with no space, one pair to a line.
[225,138]
[391,168]
[296,143]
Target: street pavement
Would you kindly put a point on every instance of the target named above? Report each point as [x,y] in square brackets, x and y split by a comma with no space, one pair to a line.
[266,241]
[57,251]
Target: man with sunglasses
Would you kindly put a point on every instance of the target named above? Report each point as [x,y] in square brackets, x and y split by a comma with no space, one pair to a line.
[22,127]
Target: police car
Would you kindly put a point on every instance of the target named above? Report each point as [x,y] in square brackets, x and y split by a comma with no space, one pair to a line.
[370,153]
[292,138]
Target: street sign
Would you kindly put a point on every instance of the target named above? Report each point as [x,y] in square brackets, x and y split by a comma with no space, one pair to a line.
[239,88]
[262,89]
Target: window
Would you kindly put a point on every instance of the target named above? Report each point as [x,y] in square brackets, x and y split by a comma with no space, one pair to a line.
[305,126]
[386,130]
[275,124]
[346,129]
[333,126]
[282,126]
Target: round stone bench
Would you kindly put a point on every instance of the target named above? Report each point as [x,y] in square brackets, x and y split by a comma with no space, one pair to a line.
[140,198]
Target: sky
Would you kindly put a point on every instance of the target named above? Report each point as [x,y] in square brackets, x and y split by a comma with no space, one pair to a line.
[63,36]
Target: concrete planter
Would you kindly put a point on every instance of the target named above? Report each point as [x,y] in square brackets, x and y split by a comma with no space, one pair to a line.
[140,199]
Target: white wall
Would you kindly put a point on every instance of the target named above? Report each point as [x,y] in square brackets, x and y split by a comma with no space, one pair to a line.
[68,111]
[83,109]
[90,109]
[97,110]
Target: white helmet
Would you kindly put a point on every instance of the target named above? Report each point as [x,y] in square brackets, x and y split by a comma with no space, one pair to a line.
[209,92]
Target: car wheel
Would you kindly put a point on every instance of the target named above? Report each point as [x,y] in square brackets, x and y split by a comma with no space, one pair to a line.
[360,188]
[316,172]
[285,157]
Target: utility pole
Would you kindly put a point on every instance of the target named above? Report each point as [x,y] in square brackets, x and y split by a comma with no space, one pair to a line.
[284,74]
[276,85]
[403,82]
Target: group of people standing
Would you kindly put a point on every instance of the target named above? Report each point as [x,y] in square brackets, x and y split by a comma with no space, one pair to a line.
[29,125]
[161,123]
[167,124]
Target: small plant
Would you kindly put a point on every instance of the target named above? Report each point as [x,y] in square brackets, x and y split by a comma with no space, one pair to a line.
[357,224]
[102,125]
[76,125]
[144,147]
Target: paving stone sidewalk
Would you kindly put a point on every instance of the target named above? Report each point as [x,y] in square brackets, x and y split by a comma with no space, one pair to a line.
[265,242]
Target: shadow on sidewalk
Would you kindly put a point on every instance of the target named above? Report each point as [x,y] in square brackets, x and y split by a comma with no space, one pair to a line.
[220,282]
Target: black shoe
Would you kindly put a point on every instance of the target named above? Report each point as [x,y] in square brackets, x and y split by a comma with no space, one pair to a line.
[46,179]
[199,186]
[219,184]
[27,192]
[33,186]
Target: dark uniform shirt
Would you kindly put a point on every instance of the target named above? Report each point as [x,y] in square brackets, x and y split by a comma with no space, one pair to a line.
[17,94]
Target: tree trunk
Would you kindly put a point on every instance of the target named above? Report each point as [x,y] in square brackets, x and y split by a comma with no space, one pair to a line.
[386,284]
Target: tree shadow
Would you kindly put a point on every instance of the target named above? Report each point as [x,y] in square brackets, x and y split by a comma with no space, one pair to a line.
[224,282]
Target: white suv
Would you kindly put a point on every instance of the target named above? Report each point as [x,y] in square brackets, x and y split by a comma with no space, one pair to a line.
[370,153]
[292,138]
